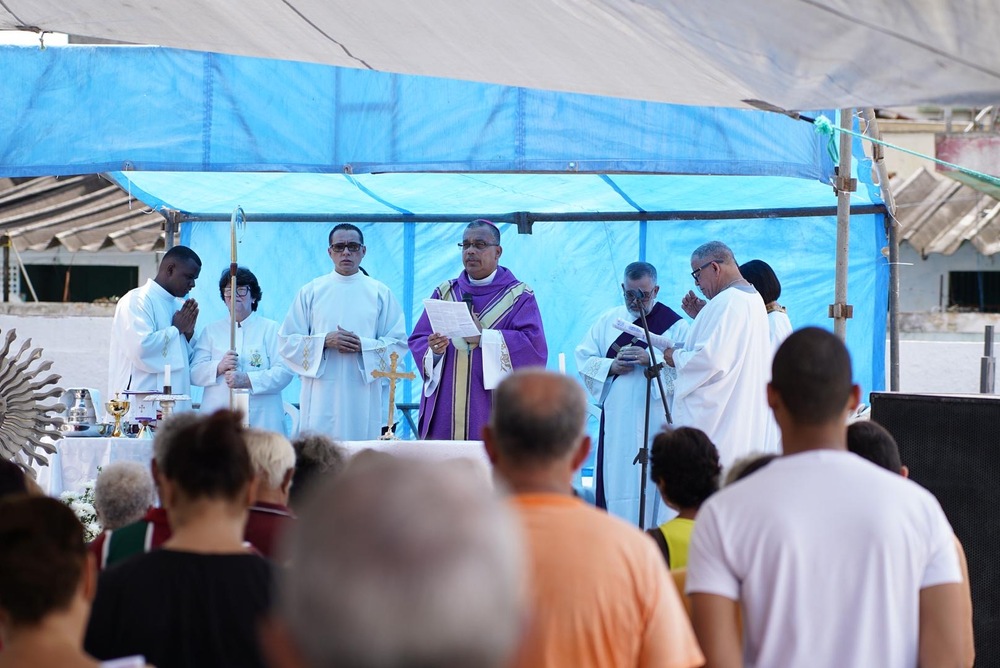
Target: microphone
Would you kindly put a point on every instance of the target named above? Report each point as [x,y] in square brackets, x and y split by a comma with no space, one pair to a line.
[468,302]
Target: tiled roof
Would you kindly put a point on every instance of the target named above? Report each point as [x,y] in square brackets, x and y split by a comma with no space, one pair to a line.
[76,212]
[936,214]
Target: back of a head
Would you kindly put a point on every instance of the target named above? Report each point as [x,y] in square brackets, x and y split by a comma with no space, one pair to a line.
[209,458]
[763,279]
[12,479]
[167,431]
[400,563]
[812,374]
[873,442]
[271,454]
[122,494]
[42,557]
[316,456]
[685,463]
[538,416]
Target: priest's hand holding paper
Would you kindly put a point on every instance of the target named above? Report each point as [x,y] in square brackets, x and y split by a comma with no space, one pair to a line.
[185,319]
[238,380]
[343,341]
[474,340]
[227,363]
[438,343]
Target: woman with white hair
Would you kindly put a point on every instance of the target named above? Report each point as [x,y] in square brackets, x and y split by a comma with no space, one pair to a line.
[273,460]
[122,494]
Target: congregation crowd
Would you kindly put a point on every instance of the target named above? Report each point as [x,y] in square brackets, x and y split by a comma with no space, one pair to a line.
[816,557]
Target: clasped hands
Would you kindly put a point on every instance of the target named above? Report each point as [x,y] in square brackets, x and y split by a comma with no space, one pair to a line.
[343,341]
[185,319]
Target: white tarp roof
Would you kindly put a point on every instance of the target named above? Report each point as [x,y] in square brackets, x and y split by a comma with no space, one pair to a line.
[796,54]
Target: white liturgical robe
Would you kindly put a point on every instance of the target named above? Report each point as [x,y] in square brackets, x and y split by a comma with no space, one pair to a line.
[723,371]
[339,396]
[144,343]
[623,402]
[257,355]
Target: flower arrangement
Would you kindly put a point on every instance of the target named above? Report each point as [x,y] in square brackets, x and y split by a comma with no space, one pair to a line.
[83,505]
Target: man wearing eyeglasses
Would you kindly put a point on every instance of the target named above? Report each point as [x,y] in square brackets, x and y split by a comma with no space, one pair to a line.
[611,365]
[724,365]
[339,329]
[460,374]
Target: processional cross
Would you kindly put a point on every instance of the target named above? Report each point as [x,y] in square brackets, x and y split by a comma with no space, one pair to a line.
[393,376]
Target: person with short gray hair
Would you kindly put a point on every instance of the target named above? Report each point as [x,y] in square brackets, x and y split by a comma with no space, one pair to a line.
[611,364]
[273,460]
[122,494]
[722,367]
[316,457]
[400,562]
[601,595]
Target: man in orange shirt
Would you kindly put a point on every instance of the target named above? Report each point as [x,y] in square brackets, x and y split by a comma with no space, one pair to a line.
[601,595]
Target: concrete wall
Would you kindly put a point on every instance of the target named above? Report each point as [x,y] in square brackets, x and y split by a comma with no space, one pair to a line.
[73,336]
[920,279]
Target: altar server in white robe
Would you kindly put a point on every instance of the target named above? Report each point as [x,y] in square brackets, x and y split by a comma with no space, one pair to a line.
[724,366]
[339,329]
[152,329]
[611,364]
[254,364]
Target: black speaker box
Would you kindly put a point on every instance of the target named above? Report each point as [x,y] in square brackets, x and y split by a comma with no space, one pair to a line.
[950,444]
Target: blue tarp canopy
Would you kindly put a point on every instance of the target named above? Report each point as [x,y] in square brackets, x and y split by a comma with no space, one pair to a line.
[200,134]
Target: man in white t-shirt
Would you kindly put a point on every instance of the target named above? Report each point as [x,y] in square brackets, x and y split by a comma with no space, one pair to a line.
[831,560]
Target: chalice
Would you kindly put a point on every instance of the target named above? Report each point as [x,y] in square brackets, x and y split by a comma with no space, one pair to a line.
[118,408]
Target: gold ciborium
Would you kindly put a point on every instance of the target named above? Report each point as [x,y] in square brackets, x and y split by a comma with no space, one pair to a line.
[118,408]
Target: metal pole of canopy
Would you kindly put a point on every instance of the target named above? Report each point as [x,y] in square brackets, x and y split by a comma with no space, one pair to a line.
[526,218]
[892,226]
[840,310]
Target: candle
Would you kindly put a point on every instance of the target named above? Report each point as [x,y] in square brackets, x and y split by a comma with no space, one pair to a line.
[562,362]
[166,376]
[241,401]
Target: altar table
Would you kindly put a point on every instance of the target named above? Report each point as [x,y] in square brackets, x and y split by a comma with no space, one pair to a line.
[77,459]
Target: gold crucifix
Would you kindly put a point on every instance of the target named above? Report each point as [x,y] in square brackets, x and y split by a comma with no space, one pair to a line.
[393,376]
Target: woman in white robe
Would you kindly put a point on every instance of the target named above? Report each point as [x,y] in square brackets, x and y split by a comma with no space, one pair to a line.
[254,364]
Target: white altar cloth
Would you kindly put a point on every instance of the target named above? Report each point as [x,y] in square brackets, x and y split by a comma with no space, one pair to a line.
[77,459]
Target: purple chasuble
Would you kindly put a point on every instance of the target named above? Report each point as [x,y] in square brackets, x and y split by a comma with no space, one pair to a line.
[460,406]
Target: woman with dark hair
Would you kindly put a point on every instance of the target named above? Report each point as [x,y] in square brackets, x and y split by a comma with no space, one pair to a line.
[685,468]
[46,585]
[254,365]
[764,280]
[198,599]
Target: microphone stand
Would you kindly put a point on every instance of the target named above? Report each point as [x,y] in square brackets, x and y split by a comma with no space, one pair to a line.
[652,371]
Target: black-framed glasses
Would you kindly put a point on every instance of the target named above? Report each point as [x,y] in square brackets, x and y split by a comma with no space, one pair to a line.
[697,272]
[353,247]
[241,291]
[478,245]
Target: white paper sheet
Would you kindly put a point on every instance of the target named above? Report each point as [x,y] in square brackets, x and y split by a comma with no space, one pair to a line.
[660,342]
[452,319]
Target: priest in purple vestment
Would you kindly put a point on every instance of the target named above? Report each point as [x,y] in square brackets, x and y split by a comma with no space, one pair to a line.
[459,374]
